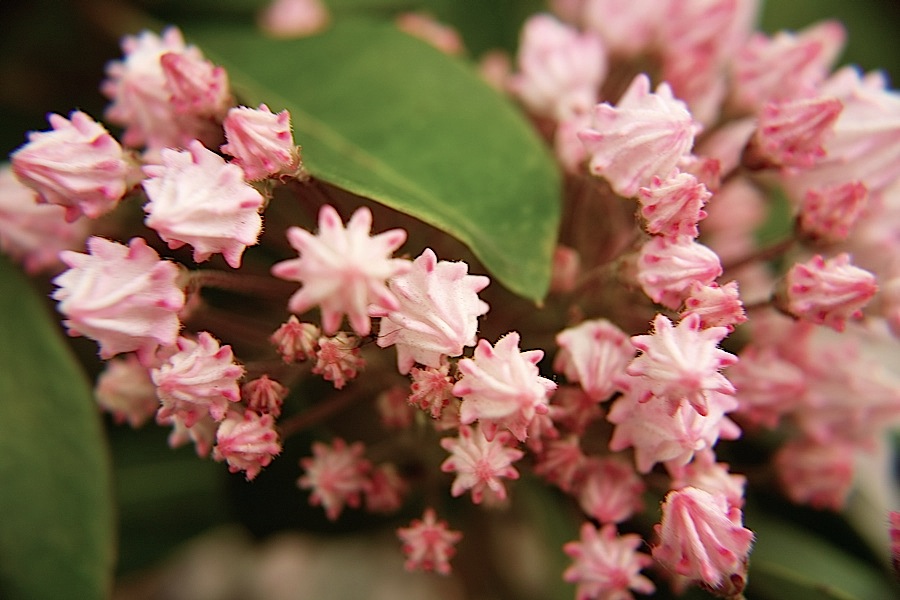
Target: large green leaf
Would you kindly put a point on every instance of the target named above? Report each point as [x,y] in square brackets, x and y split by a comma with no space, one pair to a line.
[388,117]
[56,528]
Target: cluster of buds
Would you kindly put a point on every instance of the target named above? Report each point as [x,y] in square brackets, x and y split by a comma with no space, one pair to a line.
[657,354]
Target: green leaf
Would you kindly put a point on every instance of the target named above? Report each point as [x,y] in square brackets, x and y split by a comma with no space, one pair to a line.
[790,562]
[56,529]
[386,116]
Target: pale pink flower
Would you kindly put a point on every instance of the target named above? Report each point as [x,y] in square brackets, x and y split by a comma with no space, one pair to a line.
[343,270]
[567,144]
[196,198]
[560,69]
[200,378]
[336,474]
[338,359]
[501,387]
[768,385]
[820,475]
[593,353]
[294,18]
[667,268]
[828,292]
[786,66]
[702,537]
[673,206]
[124,297]
[431,389]
[296,341]
[717,306]
[437,312]
[682,362]
[261,142]
[574,409]
[247,442]
[385,490]
[264,395]
[125,390]
[196,86]
[609,490]
[428,29]
[658,435]
[495,68]
[828,213]
[643,136]
[628,27]
[562,463]
[428,544]
[792,133]
[77,165]
[393,407]
[566,269]
[202,433]
[607,565]
[480,464]
[706,474]
[33,233]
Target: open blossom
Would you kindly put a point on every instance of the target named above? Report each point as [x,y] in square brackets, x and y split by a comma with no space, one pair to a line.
[34,233]
[593,353]
[607,565]
[431,389]
[560,69]
[428,544]
[199,379]
[384,493]
[682,362]
[247,442]
[828,292]
[701,537]
[643,136]
[261,142]
[125,390]
[667,268]
[124,297]
[480,464]
[343,270]
[501,387]
[437,313]
[673,206]
[197,198]
[77,165]
[336,474]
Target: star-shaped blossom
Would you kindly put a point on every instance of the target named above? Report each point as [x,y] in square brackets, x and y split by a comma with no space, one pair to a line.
[343,270]
[480,464]
[607,565]
[501,387]
[428,544]
[247,442]
[336,474]
[196,198]
[437,314]
[124,297]
[593,353]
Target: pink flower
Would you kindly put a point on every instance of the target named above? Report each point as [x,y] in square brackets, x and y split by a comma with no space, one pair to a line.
[199,379]
[682,362]
[384,492]
[792,133]
[264,396]
[560,69]
[480,464]
[338,359]
[261,142]
[124,297]
[819,475]
[437,313]
[196,198]
[428,544]
[294,18]
[574,409]
[673,206]
[706,474]
[32,233]
[717,306]
[501,387]
[337,475]
[197,87]
[393,407]
[593,353]
[343,270]
[628,27]
[77,165]
[644,136]
[667,268]
[828,213]
[431,389]
[701,537]
[566,270]
[248,443]
[607,565]
[125,390]
[296,341]
[562,463]
[428,29]
[609,490]
[828,292]
[202,433]
[768,385]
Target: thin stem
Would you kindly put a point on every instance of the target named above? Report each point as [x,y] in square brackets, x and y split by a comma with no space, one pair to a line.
[762,254]
[243,283]
[319,413]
